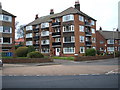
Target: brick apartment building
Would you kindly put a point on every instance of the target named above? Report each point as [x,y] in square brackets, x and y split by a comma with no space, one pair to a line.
[67,33]
[7,32]
[107,41]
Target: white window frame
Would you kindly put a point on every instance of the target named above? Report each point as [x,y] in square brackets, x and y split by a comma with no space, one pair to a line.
[72,39]
[82,37]
[81,18]
[29,35]
[110,49]
[28,28]
[92,22]
[1,41]
[81,49]
[93,30]
[93,40]
[29,43]
[67,50]
[109,41]
[69,17]
[46,42]
[57,39]
[45,25]
[71,28]
[45,33]
[47,50]
[81,28]
[2,18]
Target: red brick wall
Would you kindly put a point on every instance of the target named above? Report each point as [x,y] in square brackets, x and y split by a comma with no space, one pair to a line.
[84,58]
[27,60]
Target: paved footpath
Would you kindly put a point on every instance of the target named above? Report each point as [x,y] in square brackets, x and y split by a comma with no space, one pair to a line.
[63,67]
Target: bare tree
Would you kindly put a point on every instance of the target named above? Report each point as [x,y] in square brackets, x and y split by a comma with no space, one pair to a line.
[20,31]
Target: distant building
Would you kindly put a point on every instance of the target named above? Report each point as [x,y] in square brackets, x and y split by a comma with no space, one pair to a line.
[19,40]
[108,41]
[67,33]
[7,32]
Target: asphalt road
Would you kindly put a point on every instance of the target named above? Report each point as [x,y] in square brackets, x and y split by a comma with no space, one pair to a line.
[77,81]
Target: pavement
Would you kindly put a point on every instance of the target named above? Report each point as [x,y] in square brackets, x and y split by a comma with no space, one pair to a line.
[62,67]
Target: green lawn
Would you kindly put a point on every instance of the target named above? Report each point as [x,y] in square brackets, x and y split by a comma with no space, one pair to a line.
[63,58]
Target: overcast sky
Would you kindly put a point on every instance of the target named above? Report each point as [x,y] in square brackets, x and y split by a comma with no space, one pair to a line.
[104,11]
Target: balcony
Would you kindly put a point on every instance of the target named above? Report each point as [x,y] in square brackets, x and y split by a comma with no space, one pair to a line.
[56,34]
[35,44]
[36,30]
[88,33]
[56,24]
[88,24]
[56,44]
[88,43]
[36,37]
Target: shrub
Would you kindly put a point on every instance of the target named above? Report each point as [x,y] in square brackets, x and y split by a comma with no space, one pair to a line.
[31,49]
[90,52]
[22,51]
[35,54]
[117,54]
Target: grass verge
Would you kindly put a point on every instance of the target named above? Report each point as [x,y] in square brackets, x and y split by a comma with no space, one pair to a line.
[63,58]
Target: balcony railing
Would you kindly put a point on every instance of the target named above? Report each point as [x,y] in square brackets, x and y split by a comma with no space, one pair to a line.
[56,34]
[35,44]
[36,37]
[56,44]
[88,33]
[88,24]
[56,24]
[88,43]
[36,30]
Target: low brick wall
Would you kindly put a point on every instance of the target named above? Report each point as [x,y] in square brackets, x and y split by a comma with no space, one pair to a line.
[27,60]
[87,58]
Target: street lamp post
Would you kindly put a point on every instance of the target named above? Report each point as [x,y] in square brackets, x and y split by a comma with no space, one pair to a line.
[114,41]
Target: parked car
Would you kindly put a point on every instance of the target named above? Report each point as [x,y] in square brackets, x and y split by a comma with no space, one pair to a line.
[1,64]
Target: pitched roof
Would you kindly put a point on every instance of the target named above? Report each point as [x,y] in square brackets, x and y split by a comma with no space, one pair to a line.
[109,34]
[6,13]
[48,18]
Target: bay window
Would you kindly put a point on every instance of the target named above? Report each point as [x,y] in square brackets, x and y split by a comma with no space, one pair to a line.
[110,41]
[45,25]
[5,18]
[110,49]
[28,28]
[68,18]
[68,50]
[45,33]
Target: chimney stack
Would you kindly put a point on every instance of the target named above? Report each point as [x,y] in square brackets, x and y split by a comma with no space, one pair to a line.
[77,5]
[117,30]
[100,28]
[36,17]
[0,5]
[51,11]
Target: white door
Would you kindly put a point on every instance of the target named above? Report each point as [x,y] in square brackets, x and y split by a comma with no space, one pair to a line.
[57,51]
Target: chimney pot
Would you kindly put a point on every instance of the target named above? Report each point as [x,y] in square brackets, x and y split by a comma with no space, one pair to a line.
[77,5]
[51,11]
[0,5]
[100,28]
[36,17]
